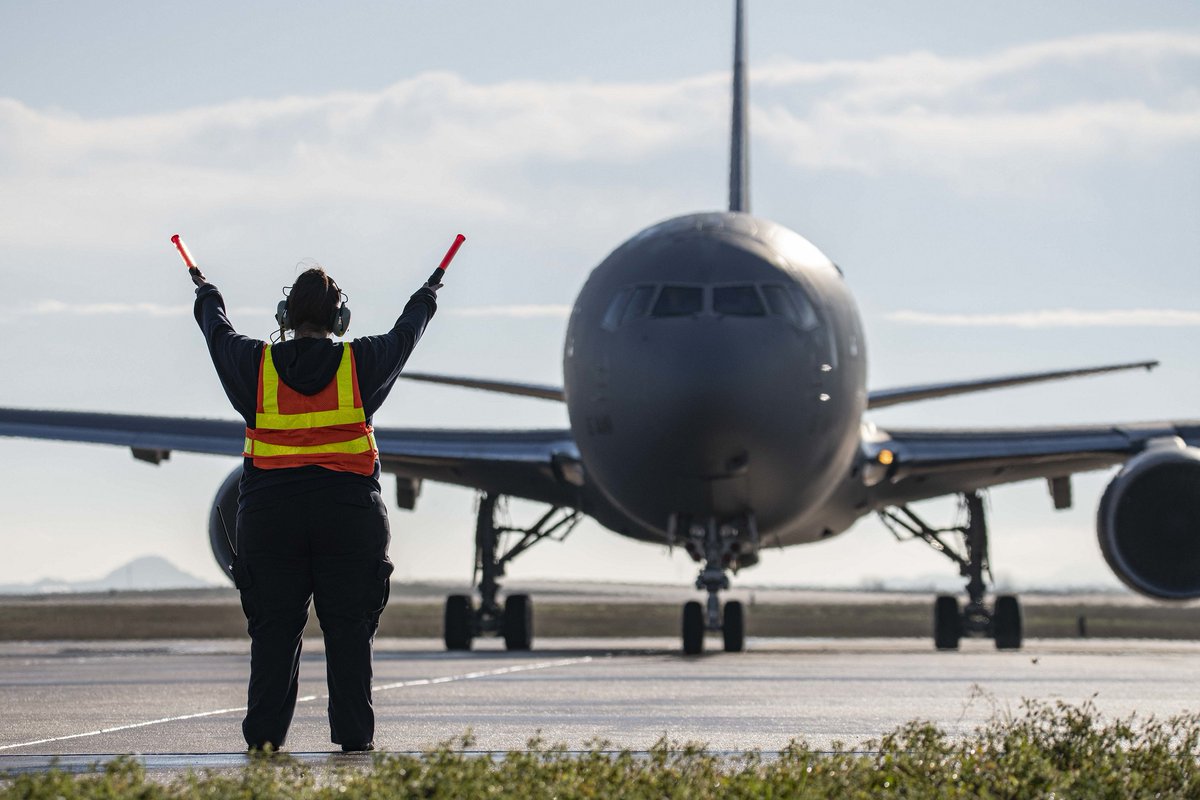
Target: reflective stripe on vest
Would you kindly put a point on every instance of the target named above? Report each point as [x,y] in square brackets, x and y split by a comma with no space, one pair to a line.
[327,429]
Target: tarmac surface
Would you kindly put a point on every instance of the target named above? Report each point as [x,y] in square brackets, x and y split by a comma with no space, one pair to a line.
[180,702]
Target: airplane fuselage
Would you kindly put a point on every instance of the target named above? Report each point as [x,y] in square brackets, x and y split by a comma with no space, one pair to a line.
[715,369]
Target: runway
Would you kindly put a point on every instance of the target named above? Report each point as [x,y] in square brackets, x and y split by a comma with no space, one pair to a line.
[180,702]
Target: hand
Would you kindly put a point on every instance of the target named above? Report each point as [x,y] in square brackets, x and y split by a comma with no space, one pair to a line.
[197,277]
[433,287]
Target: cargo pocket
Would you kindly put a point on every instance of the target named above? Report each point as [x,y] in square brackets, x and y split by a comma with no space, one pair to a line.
[383,588]
[244,582]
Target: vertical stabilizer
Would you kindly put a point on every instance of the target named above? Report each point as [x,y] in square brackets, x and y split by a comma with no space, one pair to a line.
[739,161]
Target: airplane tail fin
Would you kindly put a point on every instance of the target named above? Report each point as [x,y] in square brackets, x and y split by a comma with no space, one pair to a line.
[739,162]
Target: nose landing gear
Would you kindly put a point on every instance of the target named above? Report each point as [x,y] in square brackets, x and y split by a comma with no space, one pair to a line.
[1001,622]
[721,548]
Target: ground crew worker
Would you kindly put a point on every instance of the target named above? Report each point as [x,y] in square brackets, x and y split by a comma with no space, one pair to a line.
[311,522]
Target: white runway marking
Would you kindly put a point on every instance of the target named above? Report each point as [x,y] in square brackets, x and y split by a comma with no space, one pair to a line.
[466,676]
[131,726]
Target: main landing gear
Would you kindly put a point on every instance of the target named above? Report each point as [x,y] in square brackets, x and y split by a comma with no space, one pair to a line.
[720,547]
[1001,622]
[463,622]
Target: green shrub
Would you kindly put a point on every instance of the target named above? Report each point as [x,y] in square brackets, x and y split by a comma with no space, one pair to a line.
[1044,750]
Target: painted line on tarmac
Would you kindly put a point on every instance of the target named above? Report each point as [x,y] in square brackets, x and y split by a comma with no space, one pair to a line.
[488,673]
[130,726]
[466,676]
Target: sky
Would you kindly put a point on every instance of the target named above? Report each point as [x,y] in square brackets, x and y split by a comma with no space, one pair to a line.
[1007,188]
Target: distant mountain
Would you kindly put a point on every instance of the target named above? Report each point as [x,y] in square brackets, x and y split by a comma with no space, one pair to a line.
[147,572]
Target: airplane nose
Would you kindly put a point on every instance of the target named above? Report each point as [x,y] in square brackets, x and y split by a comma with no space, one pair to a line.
[693,374]
[702,416]
[713,406]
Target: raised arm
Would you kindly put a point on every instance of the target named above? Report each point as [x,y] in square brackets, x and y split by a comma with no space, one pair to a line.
[235,356]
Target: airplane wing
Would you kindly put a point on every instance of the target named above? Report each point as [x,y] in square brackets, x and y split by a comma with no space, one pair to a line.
[503,387]
[904,465]
[907,394]
[150,438]
[542,465]
[535,464]
[879,398]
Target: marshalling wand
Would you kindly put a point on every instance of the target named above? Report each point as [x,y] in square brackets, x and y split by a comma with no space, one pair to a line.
[185,254]
[439,274]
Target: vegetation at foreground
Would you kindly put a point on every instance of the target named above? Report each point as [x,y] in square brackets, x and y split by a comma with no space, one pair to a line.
[1045,751]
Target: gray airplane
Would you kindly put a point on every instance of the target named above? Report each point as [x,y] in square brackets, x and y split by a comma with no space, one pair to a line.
[714,374]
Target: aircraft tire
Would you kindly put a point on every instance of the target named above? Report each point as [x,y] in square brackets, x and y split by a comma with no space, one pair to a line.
[458,624]
[518,622]
[1006,623]
[947,622]
[733,627]
[693,628]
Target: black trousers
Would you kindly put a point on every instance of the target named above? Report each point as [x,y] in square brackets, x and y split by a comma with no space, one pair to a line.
[329,546]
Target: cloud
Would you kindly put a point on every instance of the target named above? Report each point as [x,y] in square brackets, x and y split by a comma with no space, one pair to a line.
[587,154]
[902,77]
[432,142]
[1055,318]
[515,311]
[1037,107]
[52,307]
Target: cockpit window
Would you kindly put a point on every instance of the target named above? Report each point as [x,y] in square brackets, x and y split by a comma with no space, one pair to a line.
[679,301]
[612,317]
[778,301]
[738,301]
[639,304]
[793,304]
[808,315]
[629,303]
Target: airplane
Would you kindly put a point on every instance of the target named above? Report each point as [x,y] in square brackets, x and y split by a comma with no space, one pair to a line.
[714,375]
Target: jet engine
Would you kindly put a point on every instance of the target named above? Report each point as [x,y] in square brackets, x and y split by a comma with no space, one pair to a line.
[222,522]
[1149,522]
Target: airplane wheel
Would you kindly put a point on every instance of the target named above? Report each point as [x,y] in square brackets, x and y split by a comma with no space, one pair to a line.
[1006,623]
[518,622]
[947,623]
[458,626]
[733,626]
[693,628]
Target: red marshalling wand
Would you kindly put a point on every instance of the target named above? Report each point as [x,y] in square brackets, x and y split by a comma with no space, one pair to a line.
[440,273]
[183,251]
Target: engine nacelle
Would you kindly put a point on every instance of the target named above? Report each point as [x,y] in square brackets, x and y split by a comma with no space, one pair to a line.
[222,522]
[1149,522]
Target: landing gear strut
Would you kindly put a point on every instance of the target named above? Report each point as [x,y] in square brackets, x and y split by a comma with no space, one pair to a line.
[721,548]
[463,622]
[1002,622]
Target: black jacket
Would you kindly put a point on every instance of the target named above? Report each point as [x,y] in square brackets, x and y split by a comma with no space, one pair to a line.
[307,366]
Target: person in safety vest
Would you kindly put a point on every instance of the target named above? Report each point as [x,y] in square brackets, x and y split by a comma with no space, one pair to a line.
[311,523]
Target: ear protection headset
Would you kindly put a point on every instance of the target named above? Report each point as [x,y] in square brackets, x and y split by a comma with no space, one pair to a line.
[339,319]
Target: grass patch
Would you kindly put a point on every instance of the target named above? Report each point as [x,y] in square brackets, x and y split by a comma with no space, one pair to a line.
[1042,751]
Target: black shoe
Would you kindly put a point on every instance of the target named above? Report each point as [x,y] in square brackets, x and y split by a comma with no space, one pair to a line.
[358,748]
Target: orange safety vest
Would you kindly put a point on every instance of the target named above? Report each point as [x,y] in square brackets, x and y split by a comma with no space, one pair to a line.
[327,429]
